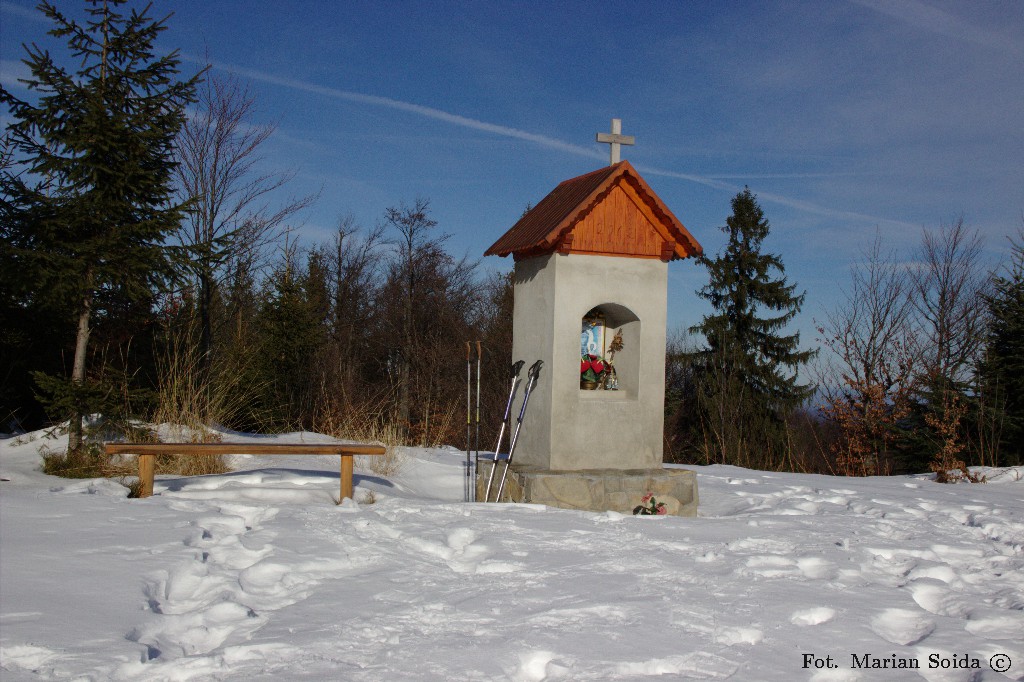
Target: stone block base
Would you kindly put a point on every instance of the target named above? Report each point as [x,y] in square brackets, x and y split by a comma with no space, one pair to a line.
[596,489]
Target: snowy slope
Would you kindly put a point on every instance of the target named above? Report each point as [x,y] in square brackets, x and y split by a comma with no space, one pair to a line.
[258,575]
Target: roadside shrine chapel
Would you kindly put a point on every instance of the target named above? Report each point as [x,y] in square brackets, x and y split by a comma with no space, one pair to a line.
[591,284]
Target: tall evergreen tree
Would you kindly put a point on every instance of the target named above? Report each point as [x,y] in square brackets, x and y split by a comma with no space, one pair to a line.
[748,368]
[1003,369]
[92,177]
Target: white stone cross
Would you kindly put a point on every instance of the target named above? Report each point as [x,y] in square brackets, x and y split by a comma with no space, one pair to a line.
[615,139]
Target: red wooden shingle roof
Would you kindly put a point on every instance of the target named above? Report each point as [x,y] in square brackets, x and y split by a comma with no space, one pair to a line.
[549,224]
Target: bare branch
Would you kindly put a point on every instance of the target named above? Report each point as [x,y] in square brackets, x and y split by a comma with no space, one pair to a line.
[231,203]
[947,299]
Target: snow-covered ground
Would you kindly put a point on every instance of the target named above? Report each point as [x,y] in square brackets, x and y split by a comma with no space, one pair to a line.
[258,575]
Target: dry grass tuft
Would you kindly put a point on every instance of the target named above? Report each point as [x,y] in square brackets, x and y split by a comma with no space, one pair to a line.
[190,402]
[196,399]
[369,423]
[87,462]
[92,462]
[386,465]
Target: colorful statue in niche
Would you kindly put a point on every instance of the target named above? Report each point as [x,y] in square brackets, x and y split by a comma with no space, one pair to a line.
[596,368]
[592,335]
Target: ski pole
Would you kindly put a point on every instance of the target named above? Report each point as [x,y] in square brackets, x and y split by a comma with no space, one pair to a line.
[517,367]
[469,388]
[476,447]
[534,372]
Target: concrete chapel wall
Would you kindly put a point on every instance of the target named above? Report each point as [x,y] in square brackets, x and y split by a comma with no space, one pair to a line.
[571,429]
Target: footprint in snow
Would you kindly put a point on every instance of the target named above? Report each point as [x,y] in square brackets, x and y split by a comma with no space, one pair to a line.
[903,627]
[460,538]
[458,551]
[767,545]
[770,567]
[188,587]
[812,616]
[234,552]
[939,600]
[816,568]
[774,566]
[731,636]
[966,557]
[533,665]
[996,624]
[801,506]
[934,571]
[697,665]
[28,657]
[197,633]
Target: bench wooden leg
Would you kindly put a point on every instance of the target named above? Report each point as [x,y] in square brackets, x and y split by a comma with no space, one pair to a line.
[147,467]
[346,477]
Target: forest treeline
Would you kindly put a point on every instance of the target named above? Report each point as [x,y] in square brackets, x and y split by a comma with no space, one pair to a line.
[150,273]
[917,368]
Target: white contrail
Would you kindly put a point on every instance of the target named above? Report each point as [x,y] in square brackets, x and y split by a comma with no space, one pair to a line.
[775,198]
[515,133]
[419,109]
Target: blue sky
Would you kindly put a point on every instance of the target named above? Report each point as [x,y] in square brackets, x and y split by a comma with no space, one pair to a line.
[842,116]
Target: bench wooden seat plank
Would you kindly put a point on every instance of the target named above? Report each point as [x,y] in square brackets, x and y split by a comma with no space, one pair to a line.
[147,453]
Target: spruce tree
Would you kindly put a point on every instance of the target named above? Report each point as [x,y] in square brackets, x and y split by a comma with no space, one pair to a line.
[748,368]
[91,180]
[1003,369]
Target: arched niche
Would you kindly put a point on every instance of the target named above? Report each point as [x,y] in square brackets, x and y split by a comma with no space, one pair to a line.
[598,328]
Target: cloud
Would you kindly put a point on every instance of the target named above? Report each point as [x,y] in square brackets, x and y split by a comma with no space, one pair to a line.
[12,75]
[934,20]
[22,12]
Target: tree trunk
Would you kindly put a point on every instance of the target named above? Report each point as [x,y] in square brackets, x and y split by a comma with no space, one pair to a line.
[205,328]
[405,388]
[78,369]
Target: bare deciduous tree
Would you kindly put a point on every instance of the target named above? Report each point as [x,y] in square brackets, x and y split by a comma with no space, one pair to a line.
[354,262]
[868,381]
[947,297]
[233,211]
[413,225]
[431,297]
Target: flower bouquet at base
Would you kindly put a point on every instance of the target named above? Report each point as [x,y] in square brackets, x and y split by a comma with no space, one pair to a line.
[650,507]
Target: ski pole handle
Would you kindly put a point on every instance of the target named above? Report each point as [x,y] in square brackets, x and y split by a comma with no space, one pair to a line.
[517,367]
[532,379]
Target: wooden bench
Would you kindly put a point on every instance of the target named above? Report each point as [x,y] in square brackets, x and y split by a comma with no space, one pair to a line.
[147,453]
